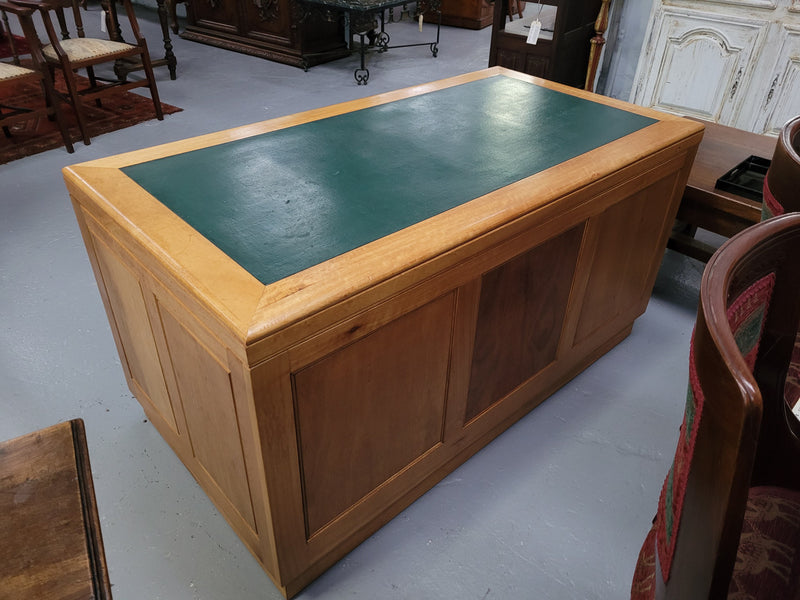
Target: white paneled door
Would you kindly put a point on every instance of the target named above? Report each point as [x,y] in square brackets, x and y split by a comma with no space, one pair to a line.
[734,62]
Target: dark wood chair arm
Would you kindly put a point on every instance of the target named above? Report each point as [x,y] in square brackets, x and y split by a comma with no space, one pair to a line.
[16,8]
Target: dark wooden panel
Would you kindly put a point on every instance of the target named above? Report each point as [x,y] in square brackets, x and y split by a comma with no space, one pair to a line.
[265,17]
[368,410]
[520,318]
[281,30]
[214,15]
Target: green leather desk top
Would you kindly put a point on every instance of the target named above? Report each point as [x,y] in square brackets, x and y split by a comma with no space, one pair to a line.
[283,201]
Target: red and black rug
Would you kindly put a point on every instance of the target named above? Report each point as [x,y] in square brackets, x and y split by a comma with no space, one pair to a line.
[120,109]
[20,45]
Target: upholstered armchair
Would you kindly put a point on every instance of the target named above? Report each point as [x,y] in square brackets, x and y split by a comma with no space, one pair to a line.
[728,517]
[782,183]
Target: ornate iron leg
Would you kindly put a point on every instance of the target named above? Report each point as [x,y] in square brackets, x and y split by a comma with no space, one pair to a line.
[382,41]
[362,74]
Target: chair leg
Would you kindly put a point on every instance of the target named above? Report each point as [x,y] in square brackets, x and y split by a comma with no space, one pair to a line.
[173,15]
[147,67]
[75,100]
[93,84]
[54,104]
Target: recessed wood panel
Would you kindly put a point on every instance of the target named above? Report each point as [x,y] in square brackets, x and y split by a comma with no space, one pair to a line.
[625,256]
[520,317]
[367,411]
[210,411]
[136,335]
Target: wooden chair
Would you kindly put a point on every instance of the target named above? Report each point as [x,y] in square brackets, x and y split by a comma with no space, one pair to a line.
[37,73]
[728,520]
[69,54]
[782,195]
[782,183]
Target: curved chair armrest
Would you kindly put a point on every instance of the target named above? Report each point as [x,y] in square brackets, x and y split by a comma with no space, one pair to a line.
[16,8]
[36,4]
[24,11]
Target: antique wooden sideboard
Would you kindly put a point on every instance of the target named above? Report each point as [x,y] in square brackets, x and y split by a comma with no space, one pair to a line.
[286,31]
[321,341]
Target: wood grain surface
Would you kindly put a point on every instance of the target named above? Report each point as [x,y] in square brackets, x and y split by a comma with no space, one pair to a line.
[52,546]
[312,410]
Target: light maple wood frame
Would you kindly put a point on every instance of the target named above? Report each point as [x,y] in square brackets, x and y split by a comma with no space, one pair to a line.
[315,409]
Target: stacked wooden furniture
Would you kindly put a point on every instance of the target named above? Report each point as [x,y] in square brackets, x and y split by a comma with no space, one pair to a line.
[52,545]
[319,344]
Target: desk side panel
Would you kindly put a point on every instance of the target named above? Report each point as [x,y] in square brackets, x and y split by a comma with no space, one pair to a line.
[627,250]
[193,387]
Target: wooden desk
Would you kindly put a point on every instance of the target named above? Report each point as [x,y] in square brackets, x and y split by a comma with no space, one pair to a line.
[322,330]
[52,546]
[704,206]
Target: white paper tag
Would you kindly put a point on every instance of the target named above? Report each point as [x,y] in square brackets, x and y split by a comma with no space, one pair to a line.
[533,34]
[103,21]
[420,22]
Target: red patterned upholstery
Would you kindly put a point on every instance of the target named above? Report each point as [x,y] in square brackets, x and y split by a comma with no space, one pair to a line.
[644,576]
[746,316]
[768,561]
[770,207]
[670,503]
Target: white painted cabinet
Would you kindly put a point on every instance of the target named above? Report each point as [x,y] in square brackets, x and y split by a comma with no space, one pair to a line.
[734,62]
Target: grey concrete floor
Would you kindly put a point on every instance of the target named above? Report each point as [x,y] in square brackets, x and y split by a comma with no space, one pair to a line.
[556,507]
